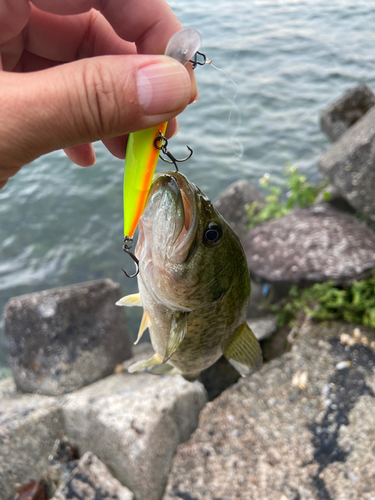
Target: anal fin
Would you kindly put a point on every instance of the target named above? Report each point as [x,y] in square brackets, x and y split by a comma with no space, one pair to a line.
[130,300]
[177,334]
[243,351]
[156,359]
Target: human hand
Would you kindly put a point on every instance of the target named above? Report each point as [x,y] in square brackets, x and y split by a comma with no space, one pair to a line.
[71,75]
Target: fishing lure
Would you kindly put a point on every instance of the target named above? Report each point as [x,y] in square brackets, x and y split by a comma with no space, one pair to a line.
[142,152]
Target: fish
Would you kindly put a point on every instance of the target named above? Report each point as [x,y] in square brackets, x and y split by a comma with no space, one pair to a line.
[194,283]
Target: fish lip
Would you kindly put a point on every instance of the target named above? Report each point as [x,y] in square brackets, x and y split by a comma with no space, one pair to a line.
[182,245]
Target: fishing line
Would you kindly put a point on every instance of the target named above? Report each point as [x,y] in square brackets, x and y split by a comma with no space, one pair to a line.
[232,137]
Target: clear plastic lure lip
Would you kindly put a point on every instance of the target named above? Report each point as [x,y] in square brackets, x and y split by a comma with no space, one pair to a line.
[183,45]
[141,153]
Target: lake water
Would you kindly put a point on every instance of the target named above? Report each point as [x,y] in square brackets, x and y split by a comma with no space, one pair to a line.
[61,224]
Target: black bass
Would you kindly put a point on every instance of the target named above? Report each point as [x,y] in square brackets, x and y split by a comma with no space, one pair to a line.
[193,281]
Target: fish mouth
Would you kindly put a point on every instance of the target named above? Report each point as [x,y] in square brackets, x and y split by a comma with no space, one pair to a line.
[175,214]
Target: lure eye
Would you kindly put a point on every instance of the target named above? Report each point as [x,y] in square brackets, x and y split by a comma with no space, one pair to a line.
[212,234]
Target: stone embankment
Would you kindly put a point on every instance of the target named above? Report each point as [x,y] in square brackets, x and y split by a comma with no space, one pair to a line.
[74,424]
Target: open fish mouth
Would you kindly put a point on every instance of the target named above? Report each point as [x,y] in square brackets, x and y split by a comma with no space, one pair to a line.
[173,207]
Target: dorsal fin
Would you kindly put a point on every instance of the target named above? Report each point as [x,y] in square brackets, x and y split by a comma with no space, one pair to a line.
[243,351]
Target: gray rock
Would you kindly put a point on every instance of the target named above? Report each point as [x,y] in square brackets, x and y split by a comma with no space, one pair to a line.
[133,423]
[311,245]
[232,201]
[342,113]
[29,427]
[263,327]
[332,196]
[218,377]
[263,294]
[350,165]
[7,388]
[91,480]
[62,339]
[302,427]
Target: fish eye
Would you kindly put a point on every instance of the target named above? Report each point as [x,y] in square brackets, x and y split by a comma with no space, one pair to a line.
[212,234]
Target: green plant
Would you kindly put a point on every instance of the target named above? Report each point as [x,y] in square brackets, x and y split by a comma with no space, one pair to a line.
[300,194]
[325,301]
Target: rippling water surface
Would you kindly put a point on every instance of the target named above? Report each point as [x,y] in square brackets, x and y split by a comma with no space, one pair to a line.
[61,224]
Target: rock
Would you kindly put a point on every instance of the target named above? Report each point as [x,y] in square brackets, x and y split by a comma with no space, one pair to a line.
[332,196]
[218,377]
[263,327]
[342,113]
[278,344]
[263,294]
[91,480]
[302,427]
[60,340]
[350,165]
[232,201]
[7,388]
[311,245]
[133,423]
[29,427]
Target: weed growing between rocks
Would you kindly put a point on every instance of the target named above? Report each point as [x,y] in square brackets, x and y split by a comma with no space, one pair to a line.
[300,194]
[322,301]
[325,302]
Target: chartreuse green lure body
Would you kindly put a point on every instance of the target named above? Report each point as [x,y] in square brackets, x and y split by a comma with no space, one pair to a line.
[142,153]
[141,158]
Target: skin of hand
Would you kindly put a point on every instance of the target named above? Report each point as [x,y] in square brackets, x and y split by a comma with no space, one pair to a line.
[78,71]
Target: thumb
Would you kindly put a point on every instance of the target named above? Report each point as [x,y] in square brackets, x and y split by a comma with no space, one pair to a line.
[84,101]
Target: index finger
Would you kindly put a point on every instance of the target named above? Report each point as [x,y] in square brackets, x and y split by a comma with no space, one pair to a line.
[147,23]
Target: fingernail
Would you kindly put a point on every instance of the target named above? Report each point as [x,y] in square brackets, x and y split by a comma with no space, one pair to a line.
[163,87]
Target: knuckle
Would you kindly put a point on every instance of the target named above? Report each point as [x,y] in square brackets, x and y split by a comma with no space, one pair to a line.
[100,103]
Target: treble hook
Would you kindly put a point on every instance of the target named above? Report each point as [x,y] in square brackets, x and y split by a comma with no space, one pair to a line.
[195,61]
[126,246]
[164,150]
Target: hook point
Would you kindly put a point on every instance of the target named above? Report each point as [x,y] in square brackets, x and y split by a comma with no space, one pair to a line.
[126,246]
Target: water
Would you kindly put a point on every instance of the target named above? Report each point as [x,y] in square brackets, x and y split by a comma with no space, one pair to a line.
[61,224]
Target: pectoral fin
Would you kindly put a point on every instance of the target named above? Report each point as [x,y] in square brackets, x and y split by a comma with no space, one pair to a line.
[145,323]
[177,334]
[130,300]
[145,363]
[243,351]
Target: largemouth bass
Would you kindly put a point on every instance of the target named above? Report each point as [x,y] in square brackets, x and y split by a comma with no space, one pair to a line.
[194,283]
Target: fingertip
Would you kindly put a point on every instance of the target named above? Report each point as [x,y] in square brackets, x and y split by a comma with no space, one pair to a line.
[172,128]
[82,154]
[194,93]
[117,146]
